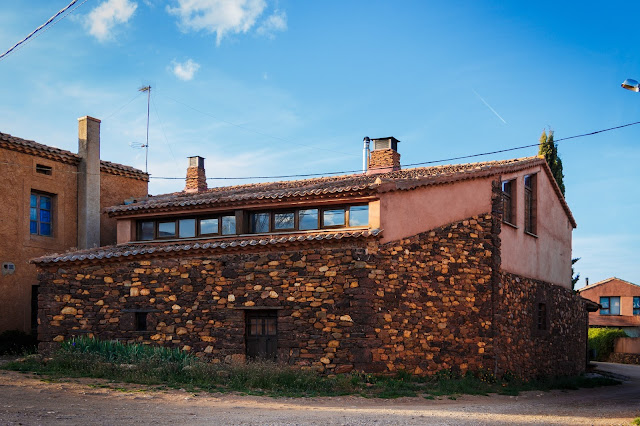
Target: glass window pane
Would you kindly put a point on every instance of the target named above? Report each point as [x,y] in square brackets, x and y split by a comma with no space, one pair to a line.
[333,217]
[604,302]
[283,221]
[45,202]
[166,229]
[34,214]
[270,324]
[33,227]
[45,216]
[45,229]
[34,201]
[259,222]
[146,231]
[308,219]
[208,226]
[614,305]
[228,225]
[187,228]
[636,302]
[358,215]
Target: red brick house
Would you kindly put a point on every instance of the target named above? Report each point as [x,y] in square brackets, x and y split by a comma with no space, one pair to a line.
[51,202]
[619,305]
[418,269]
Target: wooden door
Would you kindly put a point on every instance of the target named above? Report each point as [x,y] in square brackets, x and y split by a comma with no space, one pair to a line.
[262,334]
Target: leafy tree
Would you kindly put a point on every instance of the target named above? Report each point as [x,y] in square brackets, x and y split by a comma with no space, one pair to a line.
[574,277]
[549,150]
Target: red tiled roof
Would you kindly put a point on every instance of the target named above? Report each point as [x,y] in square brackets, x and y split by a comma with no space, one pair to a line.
[14,143]
[590,286]
[333,186]
[142,249]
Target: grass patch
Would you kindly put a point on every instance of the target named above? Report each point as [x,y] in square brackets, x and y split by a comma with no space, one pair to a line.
[161,368]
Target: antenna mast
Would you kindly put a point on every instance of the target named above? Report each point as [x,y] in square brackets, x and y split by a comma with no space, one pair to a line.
[146,146]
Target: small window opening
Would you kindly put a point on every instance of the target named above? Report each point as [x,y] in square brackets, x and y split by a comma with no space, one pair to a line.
[542,316]
[42,169]
[141,321]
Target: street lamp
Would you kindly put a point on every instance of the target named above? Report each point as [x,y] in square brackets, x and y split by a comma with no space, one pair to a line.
[631,84]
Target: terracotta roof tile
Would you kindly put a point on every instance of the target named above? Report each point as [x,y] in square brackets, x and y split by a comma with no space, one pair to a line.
[140,249]
[14,143]
[331,185]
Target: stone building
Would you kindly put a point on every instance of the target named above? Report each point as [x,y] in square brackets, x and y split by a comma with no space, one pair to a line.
[619,302]
[51,202]
[458,266]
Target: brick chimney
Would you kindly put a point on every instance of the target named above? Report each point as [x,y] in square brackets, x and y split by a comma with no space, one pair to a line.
[196,178]
[384,156]
[88,182]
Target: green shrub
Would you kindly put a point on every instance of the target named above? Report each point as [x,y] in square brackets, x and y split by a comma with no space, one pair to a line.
[602,339]
[16,342]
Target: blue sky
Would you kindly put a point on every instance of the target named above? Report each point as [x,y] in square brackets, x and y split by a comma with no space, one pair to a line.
[264,88]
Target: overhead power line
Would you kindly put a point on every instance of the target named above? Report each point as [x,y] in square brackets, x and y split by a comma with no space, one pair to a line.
[42,27]
[408,165]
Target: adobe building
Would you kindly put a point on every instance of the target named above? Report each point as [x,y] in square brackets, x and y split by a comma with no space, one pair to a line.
[51,203]
[458,266]
[619,302]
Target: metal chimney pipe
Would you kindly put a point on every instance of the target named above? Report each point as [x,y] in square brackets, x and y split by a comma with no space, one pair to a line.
[365,154]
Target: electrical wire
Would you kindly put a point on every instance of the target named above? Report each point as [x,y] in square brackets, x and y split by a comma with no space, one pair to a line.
[41,27]
[247,129]
[412,164]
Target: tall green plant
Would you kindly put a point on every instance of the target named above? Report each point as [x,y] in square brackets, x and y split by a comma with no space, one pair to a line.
[549,150]
[574,277]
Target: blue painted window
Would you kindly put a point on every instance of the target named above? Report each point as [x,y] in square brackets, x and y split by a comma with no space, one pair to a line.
[40,215]
[636,305]
[610,305]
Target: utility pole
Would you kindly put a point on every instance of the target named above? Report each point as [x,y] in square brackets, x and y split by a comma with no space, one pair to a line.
[146,146]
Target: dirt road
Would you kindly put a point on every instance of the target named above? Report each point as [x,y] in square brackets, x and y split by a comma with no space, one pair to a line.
[27,400]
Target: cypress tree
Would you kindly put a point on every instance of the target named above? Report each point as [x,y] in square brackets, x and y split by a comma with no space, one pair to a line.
[549,150]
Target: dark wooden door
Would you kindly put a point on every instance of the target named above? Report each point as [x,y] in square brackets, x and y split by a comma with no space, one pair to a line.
[262,334]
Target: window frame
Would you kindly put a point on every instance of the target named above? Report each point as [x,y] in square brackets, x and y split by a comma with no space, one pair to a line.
[509,202]
[38,221]
[542,317]
[609,303]
[530,204]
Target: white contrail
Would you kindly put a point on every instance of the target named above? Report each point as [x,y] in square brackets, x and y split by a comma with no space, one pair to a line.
[489,106]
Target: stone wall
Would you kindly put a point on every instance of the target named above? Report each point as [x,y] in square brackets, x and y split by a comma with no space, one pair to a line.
[419,304]
[525,350]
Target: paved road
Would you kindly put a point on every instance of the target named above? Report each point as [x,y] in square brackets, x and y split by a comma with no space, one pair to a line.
[27,400]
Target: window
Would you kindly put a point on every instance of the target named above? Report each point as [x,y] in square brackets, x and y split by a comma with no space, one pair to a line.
[359,215]
[610,305]
[262,334]
[42,169]
[209,226]
[228,225]
[187,228]
[507,202]
[141,321]
[146,230]
[40,217]
[636,305]
[530,204]
[308,219]
[542,316]
[333,218]
[284,221]
[259,222]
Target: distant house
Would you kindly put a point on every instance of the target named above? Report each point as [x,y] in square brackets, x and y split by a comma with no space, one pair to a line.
[459,266]
[51,202]
[619,305]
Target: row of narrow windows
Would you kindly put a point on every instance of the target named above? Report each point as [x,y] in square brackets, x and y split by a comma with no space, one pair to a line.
[260,222]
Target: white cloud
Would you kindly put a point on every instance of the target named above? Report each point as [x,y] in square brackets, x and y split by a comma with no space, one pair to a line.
[186,70]
[218,16]
[274,23]
[107,15]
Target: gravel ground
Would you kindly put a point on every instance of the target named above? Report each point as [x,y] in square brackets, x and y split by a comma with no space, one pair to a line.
[28,400]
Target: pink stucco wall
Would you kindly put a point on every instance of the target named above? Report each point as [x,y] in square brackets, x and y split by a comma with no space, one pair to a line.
[407,213]
[547,255]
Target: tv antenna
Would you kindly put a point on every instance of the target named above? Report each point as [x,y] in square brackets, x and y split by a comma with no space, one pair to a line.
[146,146]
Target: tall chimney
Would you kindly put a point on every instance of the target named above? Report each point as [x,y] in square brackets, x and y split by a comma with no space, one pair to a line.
[384,156]
[196,178]
[88,182]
